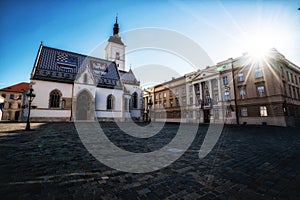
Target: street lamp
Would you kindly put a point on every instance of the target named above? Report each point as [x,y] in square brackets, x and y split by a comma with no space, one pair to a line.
[30,97]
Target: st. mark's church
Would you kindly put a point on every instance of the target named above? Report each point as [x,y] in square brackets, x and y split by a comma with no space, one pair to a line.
[71,86]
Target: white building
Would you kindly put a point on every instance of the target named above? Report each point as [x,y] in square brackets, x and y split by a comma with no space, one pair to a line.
[71,86]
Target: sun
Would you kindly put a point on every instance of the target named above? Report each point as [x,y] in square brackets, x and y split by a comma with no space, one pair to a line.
[258,44]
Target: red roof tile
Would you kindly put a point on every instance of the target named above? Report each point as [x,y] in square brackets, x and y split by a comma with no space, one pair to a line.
[19,87]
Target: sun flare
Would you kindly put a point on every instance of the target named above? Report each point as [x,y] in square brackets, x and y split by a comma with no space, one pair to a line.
[258,43]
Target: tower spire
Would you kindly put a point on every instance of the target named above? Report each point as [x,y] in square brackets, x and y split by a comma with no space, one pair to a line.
[116,26]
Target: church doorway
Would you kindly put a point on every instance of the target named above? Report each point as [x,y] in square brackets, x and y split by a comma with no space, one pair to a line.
[83,106]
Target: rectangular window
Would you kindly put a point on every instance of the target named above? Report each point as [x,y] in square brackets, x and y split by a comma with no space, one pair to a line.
[183,90]
[296,80]
[12,96]
[287,75]
[225,80]
[260,91]
[191,101]
[177,102]
[165,94]
[170,93]
[258,73]
[160,95]
[244,112]
[171,103]
[183,101]
[176,91]
[263,111]
[227,96]
[243,93]
[292,78]
[294,92]
[240,77]
[190,88]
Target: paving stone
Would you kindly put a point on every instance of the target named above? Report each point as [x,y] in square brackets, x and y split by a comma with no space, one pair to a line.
[248,162]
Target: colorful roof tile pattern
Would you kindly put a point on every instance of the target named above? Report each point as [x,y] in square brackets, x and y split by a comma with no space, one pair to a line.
[19,87]
[64,66]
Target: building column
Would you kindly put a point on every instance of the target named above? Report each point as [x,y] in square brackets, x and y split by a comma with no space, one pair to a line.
[220,103]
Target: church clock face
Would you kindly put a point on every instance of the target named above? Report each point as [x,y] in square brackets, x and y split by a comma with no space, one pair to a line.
[100,68]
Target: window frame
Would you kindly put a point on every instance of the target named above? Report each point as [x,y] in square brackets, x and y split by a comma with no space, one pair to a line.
[258,72]
[55,99]
[259,93]
[244,112]
[263,111]
[240,77]
[227,94]
[110,102]
[225,80]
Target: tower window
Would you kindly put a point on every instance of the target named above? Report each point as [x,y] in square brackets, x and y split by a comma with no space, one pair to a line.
[117,56]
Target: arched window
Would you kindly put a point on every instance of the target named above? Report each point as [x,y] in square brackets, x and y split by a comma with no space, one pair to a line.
[117,56]
[134,100]
[110,102]
[54,100]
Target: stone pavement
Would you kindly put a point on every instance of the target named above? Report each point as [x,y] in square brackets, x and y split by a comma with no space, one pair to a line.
[248,162]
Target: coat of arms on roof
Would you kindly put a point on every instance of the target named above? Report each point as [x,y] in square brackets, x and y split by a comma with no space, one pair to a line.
[99,68]
[66,61]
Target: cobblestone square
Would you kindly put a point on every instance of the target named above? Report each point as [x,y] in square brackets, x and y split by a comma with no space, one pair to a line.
[248,162]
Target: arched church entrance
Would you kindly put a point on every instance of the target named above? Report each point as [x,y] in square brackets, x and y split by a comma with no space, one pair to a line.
[84,107]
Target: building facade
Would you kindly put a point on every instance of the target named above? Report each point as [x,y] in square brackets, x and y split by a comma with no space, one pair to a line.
[13,100]
[71,86]
[148,95]
[170,101]
[267,89]
[244,90]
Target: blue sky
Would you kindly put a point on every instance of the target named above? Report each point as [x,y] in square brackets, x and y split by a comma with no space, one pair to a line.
[222,28]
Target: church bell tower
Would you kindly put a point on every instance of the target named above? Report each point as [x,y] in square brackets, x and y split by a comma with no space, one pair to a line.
[115,49]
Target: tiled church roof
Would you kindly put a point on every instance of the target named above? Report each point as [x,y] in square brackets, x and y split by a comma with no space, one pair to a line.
[63,66]
[128,77]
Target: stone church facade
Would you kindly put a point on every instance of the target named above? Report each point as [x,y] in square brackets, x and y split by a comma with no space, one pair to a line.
[71,86]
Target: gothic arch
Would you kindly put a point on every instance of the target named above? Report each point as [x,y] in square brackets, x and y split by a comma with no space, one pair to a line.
[110,100]
[55,98]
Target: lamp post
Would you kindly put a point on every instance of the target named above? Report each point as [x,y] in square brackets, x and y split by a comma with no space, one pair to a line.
[30,97]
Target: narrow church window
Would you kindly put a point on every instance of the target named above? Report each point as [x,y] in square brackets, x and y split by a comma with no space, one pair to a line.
[54,99]
[85,78]
[134,100]
[63,102]
[109,102]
